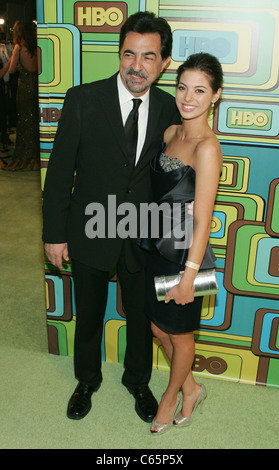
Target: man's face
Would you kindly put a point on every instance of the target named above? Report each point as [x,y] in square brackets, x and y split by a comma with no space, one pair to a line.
[140,61]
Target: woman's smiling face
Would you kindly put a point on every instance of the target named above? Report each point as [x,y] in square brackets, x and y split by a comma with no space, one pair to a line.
[194,94]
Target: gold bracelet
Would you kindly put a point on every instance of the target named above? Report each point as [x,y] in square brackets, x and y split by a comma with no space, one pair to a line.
[192,265]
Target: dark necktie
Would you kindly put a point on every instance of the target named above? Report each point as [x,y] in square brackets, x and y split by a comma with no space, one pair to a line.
[131,130]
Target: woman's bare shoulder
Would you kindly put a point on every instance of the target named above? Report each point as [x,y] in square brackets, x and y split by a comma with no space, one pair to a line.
[209,145]
[170,132]
[209,150]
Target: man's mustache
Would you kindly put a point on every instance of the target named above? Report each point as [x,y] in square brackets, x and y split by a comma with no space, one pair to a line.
[131,71]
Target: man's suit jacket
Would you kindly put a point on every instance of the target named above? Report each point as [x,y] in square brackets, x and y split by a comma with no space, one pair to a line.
[90,141]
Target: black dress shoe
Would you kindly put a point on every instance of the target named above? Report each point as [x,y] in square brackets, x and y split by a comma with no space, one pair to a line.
[146,404]
[80,402]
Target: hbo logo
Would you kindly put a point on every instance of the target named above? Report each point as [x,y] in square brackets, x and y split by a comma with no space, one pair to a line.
[93,16]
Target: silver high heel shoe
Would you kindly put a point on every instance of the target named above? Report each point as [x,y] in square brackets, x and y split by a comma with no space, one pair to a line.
[161,428]
[180,420]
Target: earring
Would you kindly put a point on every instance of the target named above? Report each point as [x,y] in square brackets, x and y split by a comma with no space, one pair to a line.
[212,104]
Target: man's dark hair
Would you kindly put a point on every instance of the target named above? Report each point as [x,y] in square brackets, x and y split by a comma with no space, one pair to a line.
[146,22]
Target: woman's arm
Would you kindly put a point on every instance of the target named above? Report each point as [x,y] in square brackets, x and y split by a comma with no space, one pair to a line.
[14,61]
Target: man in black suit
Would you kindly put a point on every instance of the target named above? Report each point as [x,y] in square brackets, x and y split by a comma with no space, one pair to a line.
[91,141]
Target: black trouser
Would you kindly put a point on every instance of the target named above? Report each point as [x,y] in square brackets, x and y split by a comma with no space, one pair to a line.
[91,288]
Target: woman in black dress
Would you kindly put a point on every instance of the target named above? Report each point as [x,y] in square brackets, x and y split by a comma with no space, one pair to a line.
[187,169]
[26,156]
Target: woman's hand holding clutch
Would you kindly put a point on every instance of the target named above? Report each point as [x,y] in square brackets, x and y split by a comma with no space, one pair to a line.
[182,293]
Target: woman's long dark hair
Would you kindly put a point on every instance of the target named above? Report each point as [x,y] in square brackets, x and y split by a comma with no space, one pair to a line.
[25,33]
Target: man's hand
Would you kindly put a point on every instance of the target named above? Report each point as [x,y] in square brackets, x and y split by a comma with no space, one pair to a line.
[56,252]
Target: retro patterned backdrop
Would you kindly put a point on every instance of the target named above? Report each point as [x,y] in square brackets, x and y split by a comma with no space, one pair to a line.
[239,335]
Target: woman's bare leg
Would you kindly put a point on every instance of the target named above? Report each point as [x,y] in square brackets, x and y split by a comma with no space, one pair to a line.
[180,349]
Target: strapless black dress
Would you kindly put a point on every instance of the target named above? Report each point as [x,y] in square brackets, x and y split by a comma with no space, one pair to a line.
[173,183]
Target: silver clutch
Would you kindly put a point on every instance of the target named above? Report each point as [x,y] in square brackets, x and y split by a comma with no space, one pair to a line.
[205,283]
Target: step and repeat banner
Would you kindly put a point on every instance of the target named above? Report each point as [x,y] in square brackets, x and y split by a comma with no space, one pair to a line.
[239,335]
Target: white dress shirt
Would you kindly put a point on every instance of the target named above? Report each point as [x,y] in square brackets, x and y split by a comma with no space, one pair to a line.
[126,105]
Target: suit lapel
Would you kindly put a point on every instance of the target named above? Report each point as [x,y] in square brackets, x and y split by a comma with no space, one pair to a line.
[153,115]
[111,107]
